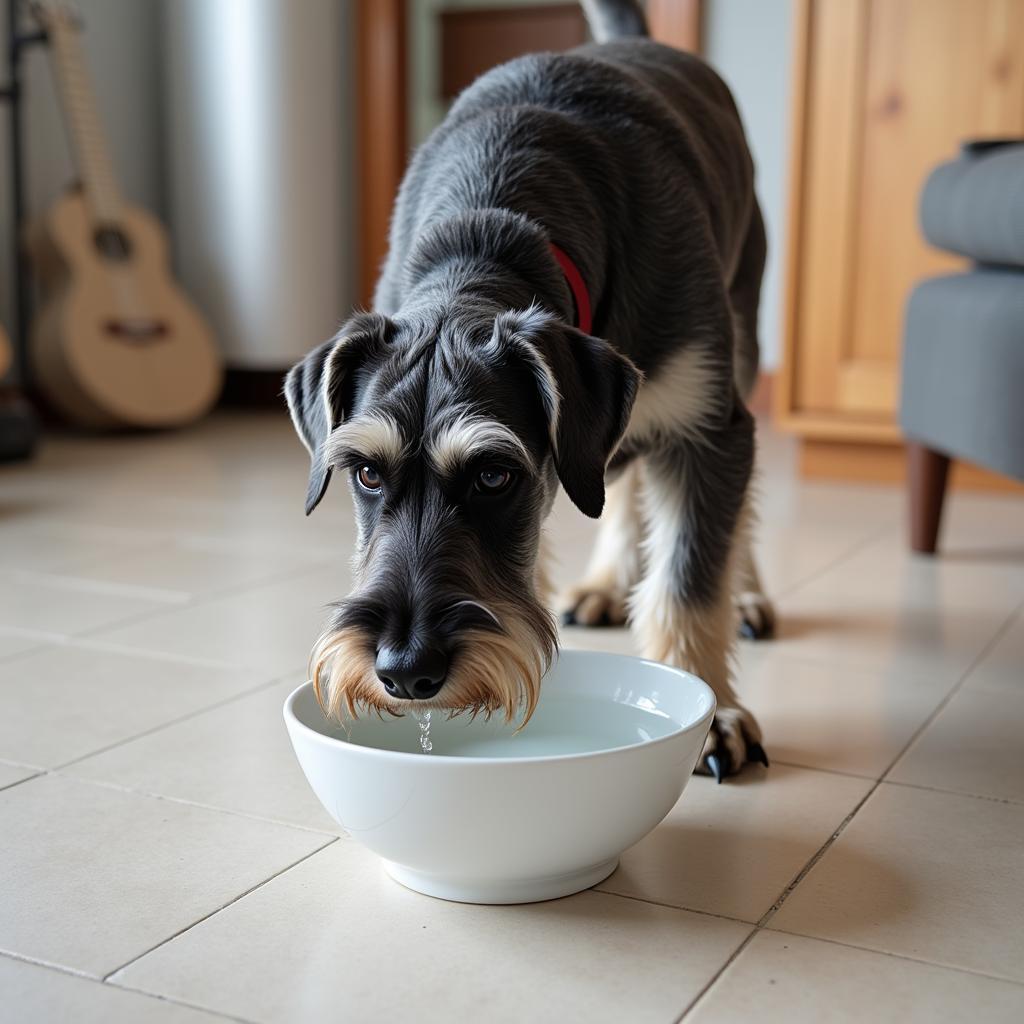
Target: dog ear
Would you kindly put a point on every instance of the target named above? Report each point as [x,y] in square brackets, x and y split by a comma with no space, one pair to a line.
[587,390]
[320,390]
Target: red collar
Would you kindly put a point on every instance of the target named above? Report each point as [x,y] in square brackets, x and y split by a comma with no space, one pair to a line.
[577,286]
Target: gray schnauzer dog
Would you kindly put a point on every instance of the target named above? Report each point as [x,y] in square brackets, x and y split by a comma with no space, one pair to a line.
[570,298]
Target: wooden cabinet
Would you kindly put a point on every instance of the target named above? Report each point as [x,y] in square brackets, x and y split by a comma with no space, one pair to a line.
[884,90]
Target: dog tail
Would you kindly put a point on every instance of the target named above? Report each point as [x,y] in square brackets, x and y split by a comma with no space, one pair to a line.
[615,19]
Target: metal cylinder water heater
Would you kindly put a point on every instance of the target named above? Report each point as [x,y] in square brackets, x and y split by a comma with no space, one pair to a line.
[258,96]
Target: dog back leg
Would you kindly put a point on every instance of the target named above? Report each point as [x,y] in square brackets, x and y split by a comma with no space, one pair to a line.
[756,614]
[614,567]
[694,507]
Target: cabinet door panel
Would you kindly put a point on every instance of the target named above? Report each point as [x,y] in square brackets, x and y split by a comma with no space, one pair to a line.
[894,86]
[827,241]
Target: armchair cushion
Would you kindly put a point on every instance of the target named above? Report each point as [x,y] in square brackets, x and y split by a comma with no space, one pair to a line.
[974,205]
[963,368]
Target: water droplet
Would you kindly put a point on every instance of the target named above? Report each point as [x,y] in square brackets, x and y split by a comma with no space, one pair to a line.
[423,718]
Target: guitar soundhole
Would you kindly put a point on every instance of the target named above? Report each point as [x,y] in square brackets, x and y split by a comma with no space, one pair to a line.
[136,329]
[112,243]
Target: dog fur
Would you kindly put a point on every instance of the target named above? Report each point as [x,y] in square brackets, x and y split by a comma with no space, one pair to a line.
[631,157]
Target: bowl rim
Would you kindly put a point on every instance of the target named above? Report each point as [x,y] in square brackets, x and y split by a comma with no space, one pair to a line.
[292,721]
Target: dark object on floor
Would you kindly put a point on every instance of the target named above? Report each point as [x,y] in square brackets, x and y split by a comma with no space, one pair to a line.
[963,348]
[19,429]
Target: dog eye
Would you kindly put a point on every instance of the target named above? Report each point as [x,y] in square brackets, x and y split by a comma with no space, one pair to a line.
[493,480]
[369,478]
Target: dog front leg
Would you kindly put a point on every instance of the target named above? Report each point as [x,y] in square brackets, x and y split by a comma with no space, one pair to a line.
[694,500]
[614,567]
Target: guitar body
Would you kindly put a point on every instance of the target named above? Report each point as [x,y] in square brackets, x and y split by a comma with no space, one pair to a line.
[117,343]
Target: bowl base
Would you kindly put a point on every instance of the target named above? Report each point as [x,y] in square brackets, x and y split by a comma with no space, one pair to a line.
[523,890]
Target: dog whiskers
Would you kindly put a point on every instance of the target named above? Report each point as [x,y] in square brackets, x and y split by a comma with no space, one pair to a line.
[478,604]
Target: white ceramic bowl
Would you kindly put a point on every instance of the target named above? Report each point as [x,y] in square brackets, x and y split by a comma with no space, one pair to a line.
[495,816]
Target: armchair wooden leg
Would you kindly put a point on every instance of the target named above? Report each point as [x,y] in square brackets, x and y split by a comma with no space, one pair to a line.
[927,471]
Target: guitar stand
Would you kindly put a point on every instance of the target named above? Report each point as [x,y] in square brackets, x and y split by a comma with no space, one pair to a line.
[19,427]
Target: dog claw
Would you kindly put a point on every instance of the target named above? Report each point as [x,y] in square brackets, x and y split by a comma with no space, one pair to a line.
[718,765]
[749,631]
[755,752]
[569,619]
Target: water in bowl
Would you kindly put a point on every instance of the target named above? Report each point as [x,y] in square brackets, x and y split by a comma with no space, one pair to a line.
[561,725]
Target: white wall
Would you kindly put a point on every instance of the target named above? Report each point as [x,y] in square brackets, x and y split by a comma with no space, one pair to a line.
[749,42]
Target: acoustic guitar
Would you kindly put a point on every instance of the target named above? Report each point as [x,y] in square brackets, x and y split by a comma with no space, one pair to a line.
[116,343]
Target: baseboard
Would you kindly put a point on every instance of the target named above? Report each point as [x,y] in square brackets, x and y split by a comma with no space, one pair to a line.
[883,463]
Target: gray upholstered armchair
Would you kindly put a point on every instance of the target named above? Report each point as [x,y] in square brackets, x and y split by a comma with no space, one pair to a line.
[963,349]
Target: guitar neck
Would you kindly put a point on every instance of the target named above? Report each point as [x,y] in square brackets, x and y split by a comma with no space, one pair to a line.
[78,101]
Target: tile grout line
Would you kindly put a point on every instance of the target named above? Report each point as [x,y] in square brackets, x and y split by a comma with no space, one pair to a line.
[194,601]
[84,639]
[206,917]
[1012,801]
[97,587]
[36,772]
[987,649]
[818,768]
[668,906]
[1008,801]
[846,555]
[899,956]
[827,845]
[171,597]
[117,787]
[216,1014]
[774,908]
[59,770]
[258,688]
[694,1002]
[126,650]
[39,962]
[82,976]
[40,638]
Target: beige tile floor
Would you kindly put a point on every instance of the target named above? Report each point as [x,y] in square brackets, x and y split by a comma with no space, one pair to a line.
[161,857]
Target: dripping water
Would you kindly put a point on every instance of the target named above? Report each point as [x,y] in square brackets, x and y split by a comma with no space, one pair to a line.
[423,719]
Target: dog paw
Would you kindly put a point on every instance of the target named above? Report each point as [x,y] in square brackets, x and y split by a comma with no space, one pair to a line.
[734,740]
[592,605]
[756,615]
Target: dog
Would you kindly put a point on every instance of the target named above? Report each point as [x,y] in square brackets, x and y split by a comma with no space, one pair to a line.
[570,299]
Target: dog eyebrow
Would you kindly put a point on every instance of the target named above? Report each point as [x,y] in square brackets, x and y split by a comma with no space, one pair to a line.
[466,435]
[374,436]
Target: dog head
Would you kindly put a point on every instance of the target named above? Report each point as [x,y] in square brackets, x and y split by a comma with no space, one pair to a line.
[453,432]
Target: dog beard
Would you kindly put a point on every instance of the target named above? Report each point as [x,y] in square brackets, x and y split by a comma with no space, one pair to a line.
[494,671]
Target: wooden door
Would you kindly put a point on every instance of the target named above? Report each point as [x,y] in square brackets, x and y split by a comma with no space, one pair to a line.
[886,90]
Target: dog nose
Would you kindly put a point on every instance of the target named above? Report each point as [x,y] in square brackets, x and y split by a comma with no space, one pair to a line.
[411,674]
